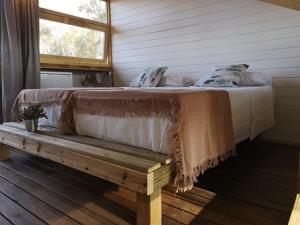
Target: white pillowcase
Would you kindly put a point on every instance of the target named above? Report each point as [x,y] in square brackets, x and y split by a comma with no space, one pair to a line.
[150,77]
[175,81]
[254,78]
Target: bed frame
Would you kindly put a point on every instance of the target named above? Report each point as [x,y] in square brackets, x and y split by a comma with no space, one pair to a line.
[139,170]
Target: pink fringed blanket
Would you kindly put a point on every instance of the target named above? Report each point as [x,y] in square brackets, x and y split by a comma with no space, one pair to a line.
[54,98]
[201,134]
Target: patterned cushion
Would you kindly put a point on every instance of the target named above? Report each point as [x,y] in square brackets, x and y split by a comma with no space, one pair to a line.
[224,76]
[150,77]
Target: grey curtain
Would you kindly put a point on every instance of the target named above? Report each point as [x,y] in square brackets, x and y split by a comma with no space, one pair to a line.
[19,39]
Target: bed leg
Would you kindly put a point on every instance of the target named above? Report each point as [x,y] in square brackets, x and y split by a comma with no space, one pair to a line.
[4,152]
[149,211]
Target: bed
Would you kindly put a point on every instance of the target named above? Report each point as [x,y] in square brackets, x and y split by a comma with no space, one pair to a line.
[198,127]
[252,113]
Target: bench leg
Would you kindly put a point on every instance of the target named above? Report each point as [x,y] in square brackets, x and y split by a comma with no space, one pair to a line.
[4,152]
[149,211]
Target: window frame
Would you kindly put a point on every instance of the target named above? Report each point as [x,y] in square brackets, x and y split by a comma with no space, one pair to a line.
[76,63]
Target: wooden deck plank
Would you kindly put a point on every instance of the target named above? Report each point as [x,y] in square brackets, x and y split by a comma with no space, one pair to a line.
[268,193]
[97,204]
[209,214]
[130,196]
[168,221]
[4,221]
[123,196]
[43,211]
[227,208]
[198,206]
[16,214]
[122,148]
[186,217]
[253,195]
[210,206]
[70,209]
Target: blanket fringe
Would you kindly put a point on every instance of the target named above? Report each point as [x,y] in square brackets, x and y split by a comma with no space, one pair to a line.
[116,108]
[125,107]
[181,181]
[185,183]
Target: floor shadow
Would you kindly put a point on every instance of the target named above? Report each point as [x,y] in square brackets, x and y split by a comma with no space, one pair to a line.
[257,186]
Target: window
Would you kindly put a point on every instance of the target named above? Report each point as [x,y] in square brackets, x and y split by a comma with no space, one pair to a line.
[74,34]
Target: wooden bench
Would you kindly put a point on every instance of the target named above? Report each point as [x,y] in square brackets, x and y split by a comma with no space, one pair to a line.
[139,170]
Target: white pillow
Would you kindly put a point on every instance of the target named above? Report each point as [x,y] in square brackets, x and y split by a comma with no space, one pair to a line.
[224,76]
[254,78]
[150,77]
[175,81]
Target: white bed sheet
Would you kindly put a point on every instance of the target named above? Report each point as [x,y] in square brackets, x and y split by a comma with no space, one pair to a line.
[252,113]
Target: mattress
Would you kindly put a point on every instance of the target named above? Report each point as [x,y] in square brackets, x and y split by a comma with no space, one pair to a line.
[252,113]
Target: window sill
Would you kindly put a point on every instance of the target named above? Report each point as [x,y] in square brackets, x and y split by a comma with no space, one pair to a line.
[52,66]
[72,63]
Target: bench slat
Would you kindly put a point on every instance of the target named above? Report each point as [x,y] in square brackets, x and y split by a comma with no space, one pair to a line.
[15,137]
[122,148]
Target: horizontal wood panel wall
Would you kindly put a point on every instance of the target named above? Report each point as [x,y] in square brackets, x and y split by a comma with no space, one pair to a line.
[287,111]
[193,35]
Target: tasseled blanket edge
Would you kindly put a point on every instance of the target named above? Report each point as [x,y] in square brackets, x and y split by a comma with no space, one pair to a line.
[185,183]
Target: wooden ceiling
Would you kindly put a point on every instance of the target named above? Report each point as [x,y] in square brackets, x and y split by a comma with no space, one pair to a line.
[292,4]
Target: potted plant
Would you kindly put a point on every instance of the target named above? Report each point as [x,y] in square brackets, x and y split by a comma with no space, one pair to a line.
[30,115]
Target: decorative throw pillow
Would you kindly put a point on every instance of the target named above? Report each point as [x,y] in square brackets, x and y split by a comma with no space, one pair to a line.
[175,81]
[224,76]
[150,77]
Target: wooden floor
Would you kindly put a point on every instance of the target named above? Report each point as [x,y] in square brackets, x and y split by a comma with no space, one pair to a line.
[256,187]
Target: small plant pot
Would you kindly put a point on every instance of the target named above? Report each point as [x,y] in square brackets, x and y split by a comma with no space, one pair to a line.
[31,125]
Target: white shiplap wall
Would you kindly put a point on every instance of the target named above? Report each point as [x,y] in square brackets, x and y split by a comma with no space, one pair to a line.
[287,111]
[193,35]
